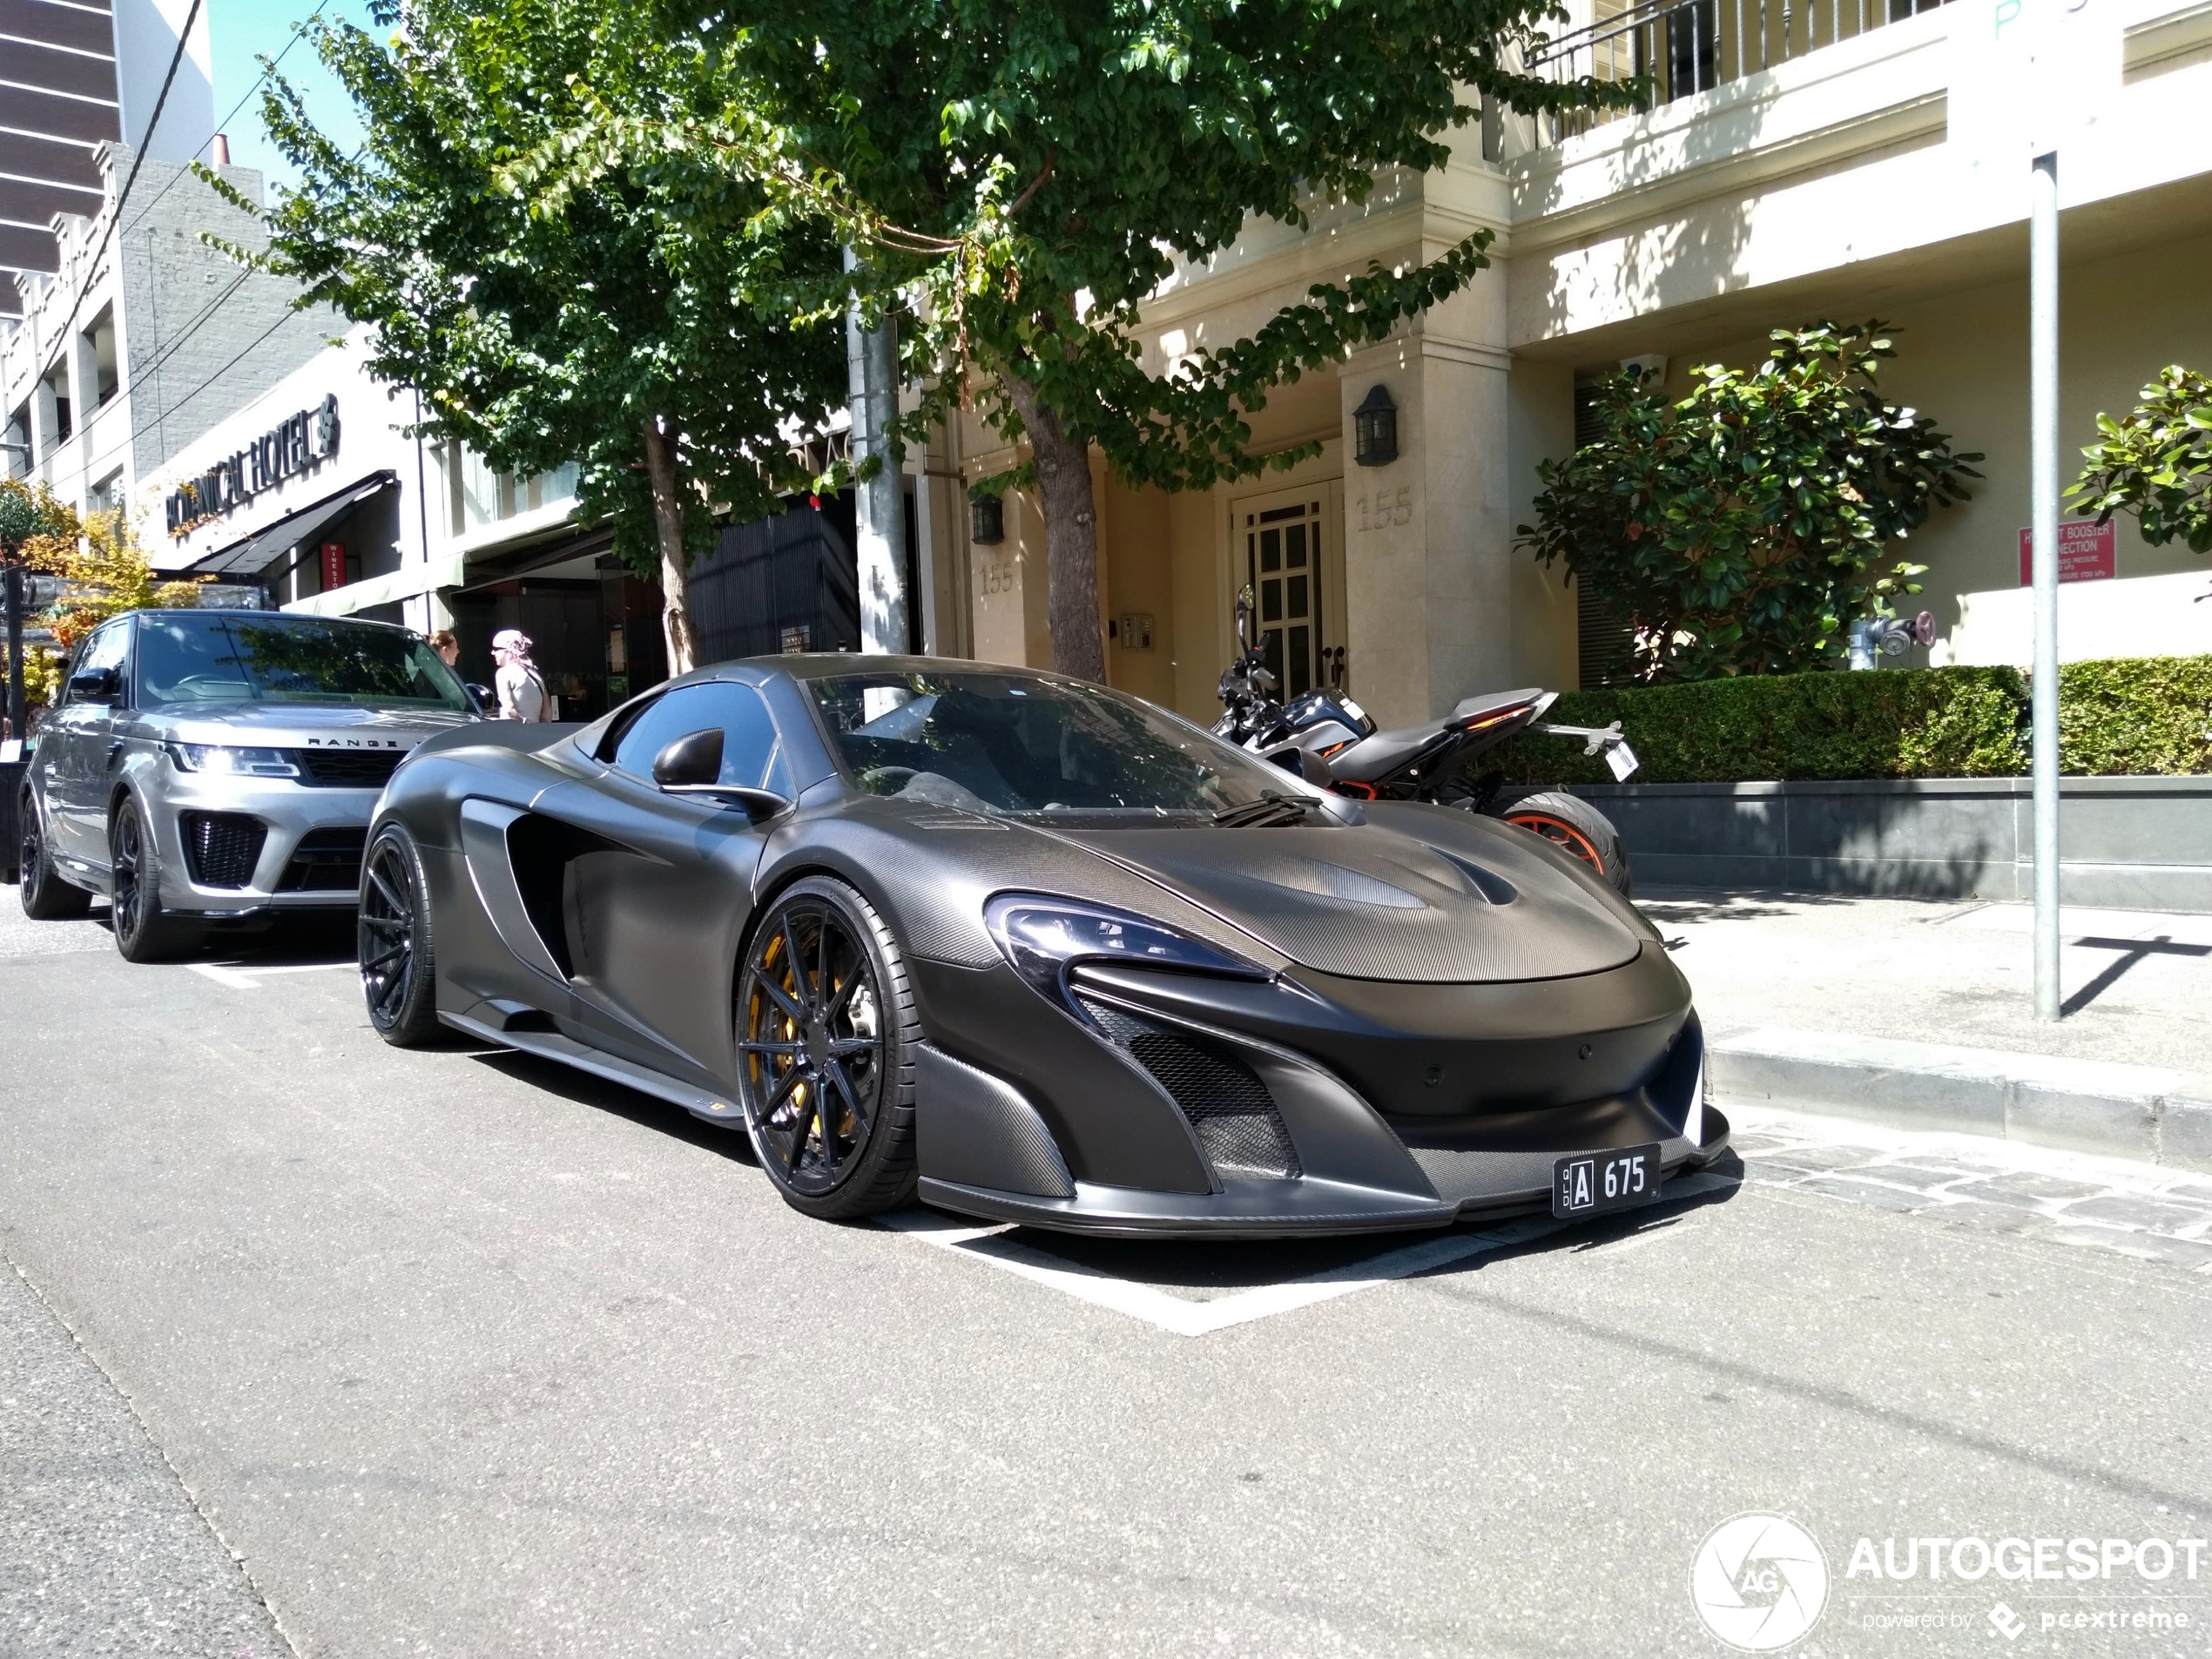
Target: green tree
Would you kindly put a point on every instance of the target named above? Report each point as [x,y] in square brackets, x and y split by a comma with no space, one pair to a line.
[1741,530]
[104,572]
[665,329]
[1032,169]
[2155,463]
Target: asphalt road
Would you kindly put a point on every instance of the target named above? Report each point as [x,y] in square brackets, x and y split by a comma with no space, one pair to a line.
[313,1343]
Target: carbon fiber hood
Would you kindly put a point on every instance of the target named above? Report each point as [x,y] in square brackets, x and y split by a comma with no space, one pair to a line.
[1443,897]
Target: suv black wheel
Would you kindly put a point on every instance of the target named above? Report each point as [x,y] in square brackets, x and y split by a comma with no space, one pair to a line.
[45,896]
[399,974]
[825,1034]
[143,931]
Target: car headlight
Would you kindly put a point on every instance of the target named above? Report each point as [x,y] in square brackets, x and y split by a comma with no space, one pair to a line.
[244,762]
[1044,937]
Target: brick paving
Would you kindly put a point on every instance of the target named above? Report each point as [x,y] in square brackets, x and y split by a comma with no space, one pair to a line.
[2139,1211]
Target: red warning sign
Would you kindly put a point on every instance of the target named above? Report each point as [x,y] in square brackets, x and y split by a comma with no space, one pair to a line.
[2088,551]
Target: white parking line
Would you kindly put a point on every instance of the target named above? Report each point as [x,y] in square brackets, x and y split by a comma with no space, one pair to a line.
[246,978]
[1186,1318]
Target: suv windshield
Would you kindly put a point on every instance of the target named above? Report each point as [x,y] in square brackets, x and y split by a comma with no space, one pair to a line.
[1020,744]
[290,659]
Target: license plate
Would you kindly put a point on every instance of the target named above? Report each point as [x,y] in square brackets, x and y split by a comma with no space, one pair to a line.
[1589,1183]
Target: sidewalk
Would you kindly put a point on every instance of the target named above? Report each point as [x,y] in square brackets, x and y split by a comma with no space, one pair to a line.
[1919,1014]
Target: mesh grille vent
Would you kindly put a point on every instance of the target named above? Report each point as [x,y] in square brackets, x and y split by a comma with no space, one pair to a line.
[325,860]
[348,768]
[222,848]
[1229,1108]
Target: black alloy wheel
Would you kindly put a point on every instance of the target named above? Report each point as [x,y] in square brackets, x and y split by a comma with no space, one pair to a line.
[144,932]
[825,1029]
[45,896]
[392,943]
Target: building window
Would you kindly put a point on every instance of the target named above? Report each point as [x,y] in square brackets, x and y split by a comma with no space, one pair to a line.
[481,498]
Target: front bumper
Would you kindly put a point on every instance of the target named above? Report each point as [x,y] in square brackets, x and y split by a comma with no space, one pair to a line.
[257,846]
[1161,1120]
[1502,1184]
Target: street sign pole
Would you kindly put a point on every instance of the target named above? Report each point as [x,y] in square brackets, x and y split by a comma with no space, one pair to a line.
[2043,472]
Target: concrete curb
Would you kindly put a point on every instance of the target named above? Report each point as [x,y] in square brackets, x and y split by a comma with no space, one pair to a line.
[2148,1113]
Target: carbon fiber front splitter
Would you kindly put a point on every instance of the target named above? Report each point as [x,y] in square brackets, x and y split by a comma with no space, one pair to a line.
[1480,1183]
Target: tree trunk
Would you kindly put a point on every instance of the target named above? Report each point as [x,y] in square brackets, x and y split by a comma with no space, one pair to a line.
[1070,536]
[668,532]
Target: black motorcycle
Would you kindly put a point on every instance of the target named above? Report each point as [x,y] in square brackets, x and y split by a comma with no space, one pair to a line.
[1327,737]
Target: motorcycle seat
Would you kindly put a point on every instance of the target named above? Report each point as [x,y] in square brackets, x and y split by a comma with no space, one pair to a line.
[1487,703]
[1379,754]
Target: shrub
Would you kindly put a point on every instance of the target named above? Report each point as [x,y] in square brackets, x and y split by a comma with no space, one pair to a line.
[2138,715]
[1742,529]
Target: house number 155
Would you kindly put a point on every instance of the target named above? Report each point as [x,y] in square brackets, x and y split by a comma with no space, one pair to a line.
[1386,507]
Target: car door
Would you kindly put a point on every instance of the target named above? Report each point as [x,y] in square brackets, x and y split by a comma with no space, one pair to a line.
[74,742]
[656,888]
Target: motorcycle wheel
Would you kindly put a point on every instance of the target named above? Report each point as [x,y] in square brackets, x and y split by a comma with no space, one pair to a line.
[1573,825]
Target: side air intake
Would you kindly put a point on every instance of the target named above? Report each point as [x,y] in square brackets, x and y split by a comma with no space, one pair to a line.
[1229,1108]
[222,848]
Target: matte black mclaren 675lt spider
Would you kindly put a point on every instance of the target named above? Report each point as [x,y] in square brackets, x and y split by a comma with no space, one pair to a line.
[1032,950]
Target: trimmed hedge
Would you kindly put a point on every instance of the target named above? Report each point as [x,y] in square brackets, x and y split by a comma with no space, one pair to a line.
[2134,716]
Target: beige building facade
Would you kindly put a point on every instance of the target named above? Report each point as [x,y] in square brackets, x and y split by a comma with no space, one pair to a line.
[1784,181]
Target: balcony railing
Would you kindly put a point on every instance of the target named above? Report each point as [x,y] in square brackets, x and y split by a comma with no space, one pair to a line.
[1678,47]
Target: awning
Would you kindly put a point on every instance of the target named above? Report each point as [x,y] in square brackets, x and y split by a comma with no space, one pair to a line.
[262,549]
[405,582]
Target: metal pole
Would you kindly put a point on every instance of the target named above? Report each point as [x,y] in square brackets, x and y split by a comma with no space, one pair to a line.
[2043,441]
[872,382]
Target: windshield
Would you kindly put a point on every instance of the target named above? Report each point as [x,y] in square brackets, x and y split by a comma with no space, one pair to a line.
[1019,743]
[290,659]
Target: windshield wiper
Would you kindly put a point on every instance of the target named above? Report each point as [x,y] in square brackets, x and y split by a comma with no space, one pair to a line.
[1269,809]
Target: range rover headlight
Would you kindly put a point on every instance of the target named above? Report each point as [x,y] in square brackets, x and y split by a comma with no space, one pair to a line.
[1043,937]
[222,759]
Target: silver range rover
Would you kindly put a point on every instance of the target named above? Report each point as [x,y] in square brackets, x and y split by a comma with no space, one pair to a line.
[213,764]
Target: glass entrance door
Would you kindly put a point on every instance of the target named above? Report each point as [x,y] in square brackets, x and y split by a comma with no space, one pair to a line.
[1283,563]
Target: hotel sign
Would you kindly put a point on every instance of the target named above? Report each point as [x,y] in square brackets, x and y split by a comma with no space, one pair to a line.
[286,450]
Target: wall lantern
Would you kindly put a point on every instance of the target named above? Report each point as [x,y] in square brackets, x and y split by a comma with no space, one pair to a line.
[1374,431]
[986,519]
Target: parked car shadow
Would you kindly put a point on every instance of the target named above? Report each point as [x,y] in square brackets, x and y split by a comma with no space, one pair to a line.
[1202,1269]
[305,939]
[619,1100]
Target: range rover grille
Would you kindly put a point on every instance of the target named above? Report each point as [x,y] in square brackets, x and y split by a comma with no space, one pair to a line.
[1229,1108]
[222,848]
[348,768]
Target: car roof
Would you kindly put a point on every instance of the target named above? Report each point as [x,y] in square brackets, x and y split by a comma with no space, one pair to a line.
[262,616]
[836,665]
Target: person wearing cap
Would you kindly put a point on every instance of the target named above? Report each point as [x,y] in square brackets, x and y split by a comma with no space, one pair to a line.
[521,688]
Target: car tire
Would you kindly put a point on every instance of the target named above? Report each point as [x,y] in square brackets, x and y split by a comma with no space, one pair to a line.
[144,932]
[1575,827]
[825,1067]
[45,895]
[393,943]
